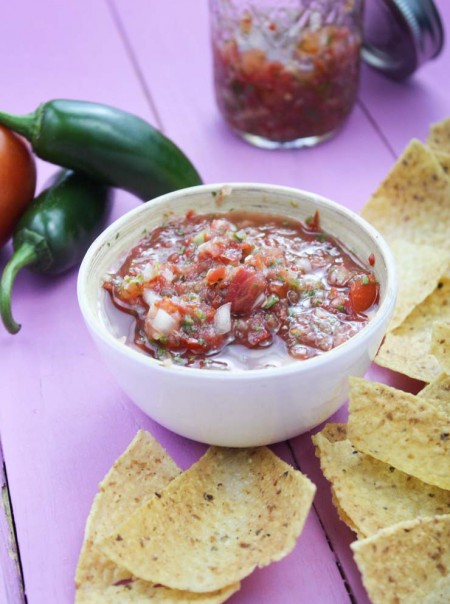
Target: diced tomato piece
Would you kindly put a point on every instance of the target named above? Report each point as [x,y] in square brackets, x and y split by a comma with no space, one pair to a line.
[245,287]
[215,274]
[364,291]
[313,222]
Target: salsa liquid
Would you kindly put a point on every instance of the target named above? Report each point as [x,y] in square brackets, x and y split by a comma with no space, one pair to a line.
[240,290]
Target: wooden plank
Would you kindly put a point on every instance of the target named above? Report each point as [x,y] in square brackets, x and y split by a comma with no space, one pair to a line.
[11,584]
[63,421]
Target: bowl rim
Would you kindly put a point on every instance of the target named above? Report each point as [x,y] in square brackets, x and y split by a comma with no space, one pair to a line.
[383,312]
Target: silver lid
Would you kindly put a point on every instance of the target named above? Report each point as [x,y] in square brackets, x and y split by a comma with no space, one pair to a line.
[401,35]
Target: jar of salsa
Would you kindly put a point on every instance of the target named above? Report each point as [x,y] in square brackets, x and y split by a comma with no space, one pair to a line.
[286,71]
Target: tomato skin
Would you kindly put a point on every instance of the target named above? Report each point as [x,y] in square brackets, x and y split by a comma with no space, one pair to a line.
[244,290]
[17,180]
[364,291]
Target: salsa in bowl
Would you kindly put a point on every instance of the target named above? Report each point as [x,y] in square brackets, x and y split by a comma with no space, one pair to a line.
[234,314]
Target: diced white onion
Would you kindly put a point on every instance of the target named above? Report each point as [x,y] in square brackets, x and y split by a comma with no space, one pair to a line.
[163,322]
[304,264]
[150,297]
[259,301]
[222,319]
[168,275]
[149,272]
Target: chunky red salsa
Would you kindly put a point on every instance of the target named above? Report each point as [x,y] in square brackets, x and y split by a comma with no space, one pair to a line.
[281,97]
[201,285]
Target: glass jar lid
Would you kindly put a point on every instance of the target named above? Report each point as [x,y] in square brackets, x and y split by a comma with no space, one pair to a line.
[401,35]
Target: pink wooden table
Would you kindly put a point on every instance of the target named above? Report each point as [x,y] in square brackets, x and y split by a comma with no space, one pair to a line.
[63,419]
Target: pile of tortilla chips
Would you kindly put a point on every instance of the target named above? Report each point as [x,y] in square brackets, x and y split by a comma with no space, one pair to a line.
[411,209]
[156,533]
[389,470]
[389,467]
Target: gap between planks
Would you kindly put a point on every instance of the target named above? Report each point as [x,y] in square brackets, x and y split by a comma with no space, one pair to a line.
[12,589]
[134,61]
[340,567]
[376,127]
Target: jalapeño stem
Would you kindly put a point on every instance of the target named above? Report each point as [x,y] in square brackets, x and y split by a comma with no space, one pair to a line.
[24,255]
[22,124]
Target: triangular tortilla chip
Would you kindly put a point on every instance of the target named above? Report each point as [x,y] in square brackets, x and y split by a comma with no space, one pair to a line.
[439,136]
[232,511]
[438,393]
[440,344]
[419,269]
[403,430]
[413,202]
[444,159]
[369,493]
[407,348]
[143,470]
[408,563]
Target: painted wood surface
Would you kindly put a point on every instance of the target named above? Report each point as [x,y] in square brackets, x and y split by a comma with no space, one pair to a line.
[63,420]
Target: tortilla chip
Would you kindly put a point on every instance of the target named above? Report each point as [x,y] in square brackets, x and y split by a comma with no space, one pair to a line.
[439,136]
[407,348]
[413,202]
[370,494]
[419,269]
[438,393]
[408,563]
[444,159]
[440,344]
[234,510]
[403,430]
[143,470]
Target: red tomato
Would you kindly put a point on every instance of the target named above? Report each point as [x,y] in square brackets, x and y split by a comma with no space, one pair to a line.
[364,291]
[17,181]
[244,290]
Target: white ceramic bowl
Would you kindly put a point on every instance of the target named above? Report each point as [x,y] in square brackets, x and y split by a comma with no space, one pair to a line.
[237,408]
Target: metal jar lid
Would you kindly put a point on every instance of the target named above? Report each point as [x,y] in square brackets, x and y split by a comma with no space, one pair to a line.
[401,35]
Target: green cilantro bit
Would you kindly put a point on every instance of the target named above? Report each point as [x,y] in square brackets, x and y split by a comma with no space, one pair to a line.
[295,283]
[200,315]
[271,301]
[179,360]
[199,238]
[188,321]
[275,263]
[365,280]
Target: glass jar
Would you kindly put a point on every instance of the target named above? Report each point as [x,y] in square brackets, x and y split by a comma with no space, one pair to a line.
[286,71]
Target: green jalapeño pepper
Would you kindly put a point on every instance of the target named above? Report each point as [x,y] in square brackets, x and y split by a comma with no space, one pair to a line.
[116,147]
[55,231]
